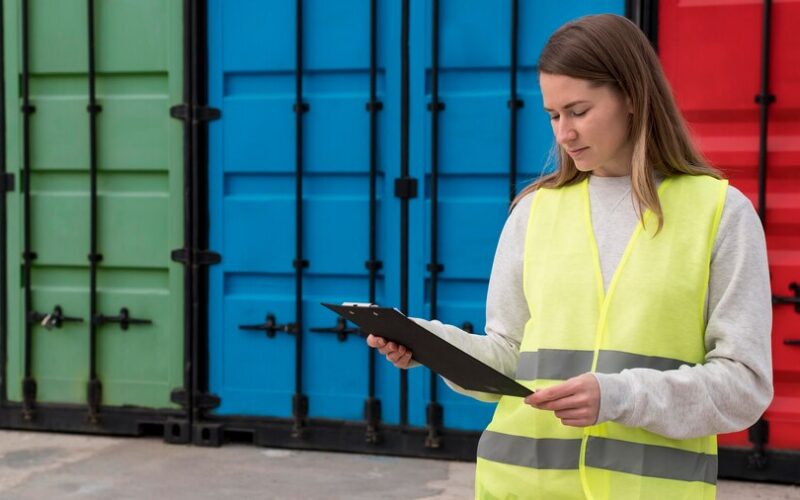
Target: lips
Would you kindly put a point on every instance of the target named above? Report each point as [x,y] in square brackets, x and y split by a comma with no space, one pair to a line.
[577,152]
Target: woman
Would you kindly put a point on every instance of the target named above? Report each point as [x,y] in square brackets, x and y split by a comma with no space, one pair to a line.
[630,289]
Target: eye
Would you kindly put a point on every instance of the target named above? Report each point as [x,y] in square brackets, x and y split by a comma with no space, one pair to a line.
[575,113]
[553,118]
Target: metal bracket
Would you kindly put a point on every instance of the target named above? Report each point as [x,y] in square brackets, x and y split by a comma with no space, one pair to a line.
[377,106]
[55,319]
[207,401]
[299,411]
[758,434]
[340,329]
[202,400]
[373,265]
[198,113]
[124,319]
[94,394]
[433,267]
[435,415]
[439,106]
[515,104]
[303,108]
[780,299]
[405,187]
[7,182]
[28,398]
[372,414]
[765,99]
[271,327]
[201,257]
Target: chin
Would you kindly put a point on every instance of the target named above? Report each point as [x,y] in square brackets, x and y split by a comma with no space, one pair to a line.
[583,167]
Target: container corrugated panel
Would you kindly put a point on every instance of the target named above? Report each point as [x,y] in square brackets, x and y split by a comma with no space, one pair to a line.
[140,187]
[252,181]
[714,67]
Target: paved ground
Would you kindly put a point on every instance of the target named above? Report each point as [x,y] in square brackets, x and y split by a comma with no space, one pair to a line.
[44,466]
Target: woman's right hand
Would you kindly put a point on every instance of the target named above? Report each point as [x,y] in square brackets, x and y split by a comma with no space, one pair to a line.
[398,355]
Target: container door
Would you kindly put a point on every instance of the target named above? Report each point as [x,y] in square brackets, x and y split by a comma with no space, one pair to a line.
[474,152]
[715,70]
[138,60]
[254,165]
[783,224]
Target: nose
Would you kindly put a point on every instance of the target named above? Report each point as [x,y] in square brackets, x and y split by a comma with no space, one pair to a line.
[564,131]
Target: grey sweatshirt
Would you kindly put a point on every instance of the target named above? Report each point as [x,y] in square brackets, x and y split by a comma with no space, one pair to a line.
[726,393]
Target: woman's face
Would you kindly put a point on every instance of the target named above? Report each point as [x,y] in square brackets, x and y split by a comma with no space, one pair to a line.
[590,123]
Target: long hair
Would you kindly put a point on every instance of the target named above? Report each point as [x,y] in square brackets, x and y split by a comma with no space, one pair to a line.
[610,50]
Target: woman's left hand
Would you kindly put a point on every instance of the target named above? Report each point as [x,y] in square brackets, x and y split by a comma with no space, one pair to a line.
[576,401]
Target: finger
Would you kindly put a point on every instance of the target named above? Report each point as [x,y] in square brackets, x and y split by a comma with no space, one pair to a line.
[577,422]
[552,393]
[573,414]
[399,354]
[404,361]
[375,341]
[568,403]
[392,347]
[394,356]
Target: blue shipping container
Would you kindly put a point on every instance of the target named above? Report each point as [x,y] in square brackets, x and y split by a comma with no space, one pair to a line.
[252,182]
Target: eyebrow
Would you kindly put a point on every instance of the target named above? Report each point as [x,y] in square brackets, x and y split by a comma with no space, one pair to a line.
[573,103]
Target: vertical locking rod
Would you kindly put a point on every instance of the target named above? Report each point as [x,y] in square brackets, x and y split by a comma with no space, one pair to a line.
[372,406]
[404,171]
[434,411]
[28,381]
[513,104]
[94,387]
[300,402]
[3,222]
[764,99]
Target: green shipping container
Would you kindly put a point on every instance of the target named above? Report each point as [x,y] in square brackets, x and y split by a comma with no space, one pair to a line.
[138,58]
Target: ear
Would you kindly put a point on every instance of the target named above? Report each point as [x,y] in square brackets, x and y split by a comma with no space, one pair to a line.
[629,104]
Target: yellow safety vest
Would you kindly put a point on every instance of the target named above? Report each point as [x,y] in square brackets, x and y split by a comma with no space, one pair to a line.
[651,317]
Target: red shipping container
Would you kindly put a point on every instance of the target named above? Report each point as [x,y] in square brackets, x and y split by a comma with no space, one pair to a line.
[712,53]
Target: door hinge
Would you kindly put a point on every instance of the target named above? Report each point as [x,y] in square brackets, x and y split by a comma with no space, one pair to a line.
[405,187]
[202,257]
[199,113]
[7,182]
[203,400]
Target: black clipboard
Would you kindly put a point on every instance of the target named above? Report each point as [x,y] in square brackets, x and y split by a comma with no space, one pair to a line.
[430,350]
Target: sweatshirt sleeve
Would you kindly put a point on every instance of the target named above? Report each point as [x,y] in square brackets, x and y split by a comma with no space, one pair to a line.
[733,387]
[506,308]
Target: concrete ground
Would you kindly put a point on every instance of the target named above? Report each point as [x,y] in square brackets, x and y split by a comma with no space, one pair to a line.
[44,466]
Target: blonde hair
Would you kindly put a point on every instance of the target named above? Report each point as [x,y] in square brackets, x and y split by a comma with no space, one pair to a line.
[611,50]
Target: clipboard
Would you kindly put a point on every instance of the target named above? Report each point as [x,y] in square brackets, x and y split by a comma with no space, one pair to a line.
[437,354]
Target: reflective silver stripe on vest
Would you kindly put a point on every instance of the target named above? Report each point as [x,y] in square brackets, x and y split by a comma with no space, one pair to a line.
[649,460]
[553,364]
[561,364]
[616,361]
[530,452]
[610,454]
